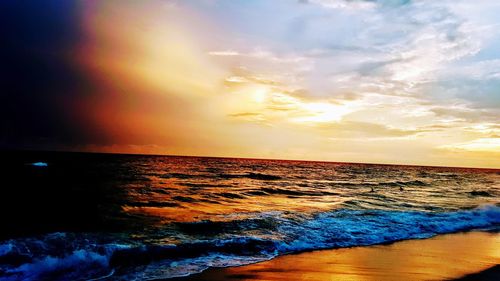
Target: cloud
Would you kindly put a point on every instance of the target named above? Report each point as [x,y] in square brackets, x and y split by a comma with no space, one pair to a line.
[252,117]
[395,49]
[227,53]
[355,130]
[342,4]
[245,114]
[480,70]
[261,54]
[356,4]
[478,145]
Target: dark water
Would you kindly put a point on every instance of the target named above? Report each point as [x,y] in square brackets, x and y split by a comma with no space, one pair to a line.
[85,216]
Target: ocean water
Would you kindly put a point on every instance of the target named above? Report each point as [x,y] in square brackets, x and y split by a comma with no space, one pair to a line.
[77,216]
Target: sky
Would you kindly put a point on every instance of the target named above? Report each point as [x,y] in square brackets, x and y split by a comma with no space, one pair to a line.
[375,81]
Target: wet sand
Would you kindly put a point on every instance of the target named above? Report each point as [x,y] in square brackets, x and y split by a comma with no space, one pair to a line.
[472,256]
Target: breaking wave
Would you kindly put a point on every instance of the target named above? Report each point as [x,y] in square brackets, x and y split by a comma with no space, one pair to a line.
[203,244]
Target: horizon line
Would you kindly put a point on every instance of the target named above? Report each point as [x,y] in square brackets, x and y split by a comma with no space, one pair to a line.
[244,158]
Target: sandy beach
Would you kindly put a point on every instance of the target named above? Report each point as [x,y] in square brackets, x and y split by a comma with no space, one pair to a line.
[472,256]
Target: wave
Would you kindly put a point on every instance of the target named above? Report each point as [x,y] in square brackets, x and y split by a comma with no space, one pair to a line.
[63,256]
[56,256]
[254,176]
[480,193]
[400,183]
[251,175]
[284,191]
[157,204]
[404,183]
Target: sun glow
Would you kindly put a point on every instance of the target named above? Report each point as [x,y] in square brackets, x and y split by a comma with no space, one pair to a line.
[322,112]
[259,95]
[270,103]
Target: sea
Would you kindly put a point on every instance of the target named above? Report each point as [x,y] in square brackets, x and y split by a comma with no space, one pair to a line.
[90,216]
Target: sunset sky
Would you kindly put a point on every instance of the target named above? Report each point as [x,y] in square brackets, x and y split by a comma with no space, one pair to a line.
[387,81]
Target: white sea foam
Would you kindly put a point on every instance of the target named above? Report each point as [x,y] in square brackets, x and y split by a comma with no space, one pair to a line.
[88,256]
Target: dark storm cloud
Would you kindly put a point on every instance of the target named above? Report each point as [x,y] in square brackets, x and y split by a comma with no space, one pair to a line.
[38,41]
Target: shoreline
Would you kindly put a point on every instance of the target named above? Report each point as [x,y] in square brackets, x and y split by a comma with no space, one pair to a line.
[463,256]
